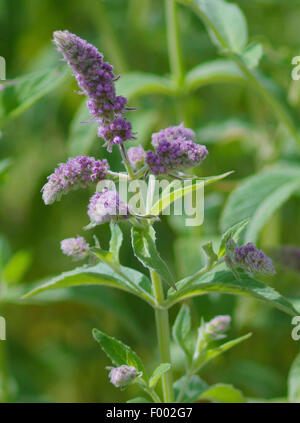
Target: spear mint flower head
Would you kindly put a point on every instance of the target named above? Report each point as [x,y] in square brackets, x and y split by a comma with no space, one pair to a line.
[175,149]
[248,257]
[217,326]
[97,81]
[78,172]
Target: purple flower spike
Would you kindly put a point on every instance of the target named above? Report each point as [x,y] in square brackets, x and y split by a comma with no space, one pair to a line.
[136,156]
[217,326]
[77,247]
[249,258]
[175,149]
[105,206]
[78,172]
[122,376]
[97,81]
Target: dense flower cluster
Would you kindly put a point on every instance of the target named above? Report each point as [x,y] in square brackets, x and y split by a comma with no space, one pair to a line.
[217,326]
[122,376]
[248,257]
[78,172]
[175,149]
[77,247]
[136,156]
[105,206]
[97,81]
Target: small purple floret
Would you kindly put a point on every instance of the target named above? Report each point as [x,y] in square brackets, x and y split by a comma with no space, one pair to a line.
[249,258]
[122,376]
[136,156]
[78,172]
[217,326]
[77,247]
[175,149]
[105,206]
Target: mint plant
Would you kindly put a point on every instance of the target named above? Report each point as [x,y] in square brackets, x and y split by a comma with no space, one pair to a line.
[230,268]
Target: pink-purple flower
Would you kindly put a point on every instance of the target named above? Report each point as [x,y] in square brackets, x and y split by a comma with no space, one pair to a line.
[97,81]
[216,327]
[248,257]
[136,156]
[122,376]
[105,206]
[77,248]
[175,149]
[78,172]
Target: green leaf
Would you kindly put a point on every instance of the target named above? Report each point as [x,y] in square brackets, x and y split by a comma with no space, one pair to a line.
[258,197]
[138,83]
[223,393]
[157,374]
[226,23]
[138,400]
[17,267]
[209,251]
[210,354]
[82,134]
[116,240]
[169,195]
[192,389]
[234,233]
[215,71]
[18,95]
[252,55]
[222,280]
[181,328]
[143,244]
[119,353]
[294,381]
[100,274]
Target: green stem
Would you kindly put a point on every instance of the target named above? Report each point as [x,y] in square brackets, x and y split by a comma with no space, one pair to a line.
[174,49]
[126,162]
[163,335]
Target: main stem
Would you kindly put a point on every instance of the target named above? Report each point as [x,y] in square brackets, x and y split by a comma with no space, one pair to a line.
[174,48]
[163,336]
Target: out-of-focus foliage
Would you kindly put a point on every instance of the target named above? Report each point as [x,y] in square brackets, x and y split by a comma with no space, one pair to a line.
[49,351]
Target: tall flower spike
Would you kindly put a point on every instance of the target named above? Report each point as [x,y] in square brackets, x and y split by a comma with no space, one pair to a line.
[97,81]
[175,149]
[77,247]
[105,206]
[78,172]
[248,257]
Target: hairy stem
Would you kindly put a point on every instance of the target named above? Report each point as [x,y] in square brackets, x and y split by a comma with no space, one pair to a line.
[163,335]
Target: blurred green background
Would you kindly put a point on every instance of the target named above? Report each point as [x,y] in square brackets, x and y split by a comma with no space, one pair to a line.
[51,355]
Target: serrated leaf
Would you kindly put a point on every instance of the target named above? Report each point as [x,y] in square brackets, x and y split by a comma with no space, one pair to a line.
[182,327]
[143,244]
[223,393]
[100,274]
[18,95]
[116,240]
[119,353]
[157,374]
[233,232]
[226,23]
[82,132]
[192,389]
[210,354]
[222,280]
[168,196]
[258,197]
[294,381]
